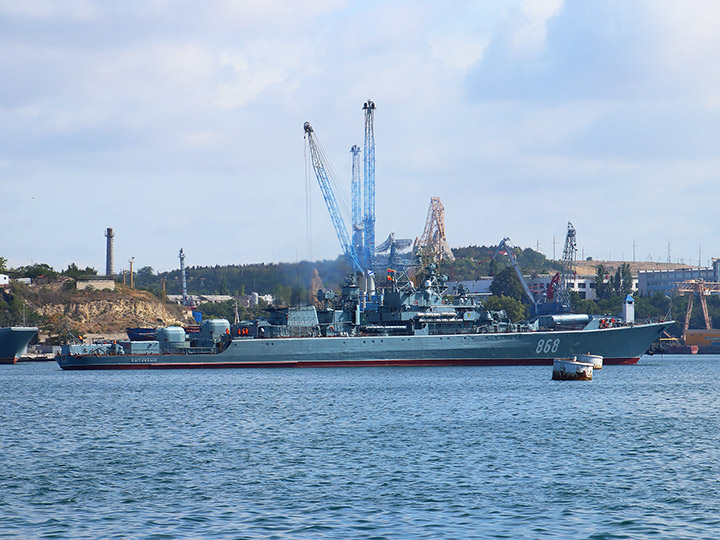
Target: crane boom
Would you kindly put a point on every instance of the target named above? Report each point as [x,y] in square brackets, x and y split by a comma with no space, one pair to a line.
[508,249]
[321,172]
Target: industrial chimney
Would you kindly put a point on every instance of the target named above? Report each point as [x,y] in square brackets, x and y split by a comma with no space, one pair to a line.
[110,256]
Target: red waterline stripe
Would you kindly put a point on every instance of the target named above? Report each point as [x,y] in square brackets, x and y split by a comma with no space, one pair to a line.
[347,363]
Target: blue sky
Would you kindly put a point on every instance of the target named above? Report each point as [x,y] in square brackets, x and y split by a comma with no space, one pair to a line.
[179,124]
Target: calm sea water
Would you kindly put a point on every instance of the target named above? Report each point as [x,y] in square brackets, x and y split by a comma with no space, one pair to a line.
[362,453]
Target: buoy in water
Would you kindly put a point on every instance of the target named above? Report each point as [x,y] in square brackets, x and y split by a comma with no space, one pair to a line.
[568,369]
[595,359]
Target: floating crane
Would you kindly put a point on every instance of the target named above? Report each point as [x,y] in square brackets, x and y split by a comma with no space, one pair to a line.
[369,169]
[321,166]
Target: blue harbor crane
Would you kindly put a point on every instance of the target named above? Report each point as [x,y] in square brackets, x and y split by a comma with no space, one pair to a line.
[369,166]
[323,172]
[358,239]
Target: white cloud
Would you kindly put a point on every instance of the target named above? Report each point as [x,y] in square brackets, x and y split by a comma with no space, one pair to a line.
[528,37]
[176,118]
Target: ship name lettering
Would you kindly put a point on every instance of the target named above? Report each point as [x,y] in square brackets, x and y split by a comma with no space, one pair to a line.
[547,346]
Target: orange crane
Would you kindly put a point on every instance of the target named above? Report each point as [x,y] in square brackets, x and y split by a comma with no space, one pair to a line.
[702,288]
[433,238]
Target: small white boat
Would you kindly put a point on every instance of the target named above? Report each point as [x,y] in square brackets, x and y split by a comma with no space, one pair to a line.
[569,369]
[595,359]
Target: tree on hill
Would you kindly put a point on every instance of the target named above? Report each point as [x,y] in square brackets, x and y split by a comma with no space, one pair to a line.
[473,262]
[36,270]
[516,310]
[74,272]
[506,283]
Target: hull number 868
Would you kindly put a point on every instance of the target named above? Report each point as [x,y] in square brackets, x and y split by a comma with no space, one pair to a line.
[547,346]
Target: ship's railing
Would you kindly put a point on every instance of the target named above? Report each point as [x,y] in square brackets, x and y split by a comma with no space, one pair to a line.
[189,350]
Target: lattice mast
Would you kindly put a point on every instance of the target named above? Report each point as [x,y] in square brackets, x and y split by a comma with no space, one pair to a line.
[369,199]
[323,171]
[433,237]
[566,266]
[358,228]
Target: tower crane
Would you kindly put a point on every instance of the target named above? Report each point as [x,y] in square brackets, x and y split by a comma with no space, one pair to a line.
[433,237]
[369,169]
[186,300]
[322,168]
[566,266]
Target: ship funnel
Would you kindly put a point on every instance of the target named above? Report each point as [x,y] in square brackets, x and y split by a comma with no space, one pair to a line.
[370,281]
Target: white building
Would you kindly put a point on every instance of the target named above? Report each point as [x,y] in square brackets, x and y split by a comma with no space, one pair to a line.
[583,285]
[98,283]
[651,282]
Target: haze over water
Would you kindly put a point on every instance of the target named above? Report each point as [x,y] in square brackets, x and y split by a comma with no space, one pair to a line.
[361,453]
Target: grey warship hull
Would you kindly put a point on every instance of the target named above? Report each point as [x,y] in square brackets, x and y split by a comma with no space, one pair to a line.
[14,341]
[618,345]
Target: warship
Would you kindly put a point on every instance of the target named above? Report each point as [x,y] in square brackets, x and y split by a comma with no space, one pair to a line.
[397,325]
[14,341]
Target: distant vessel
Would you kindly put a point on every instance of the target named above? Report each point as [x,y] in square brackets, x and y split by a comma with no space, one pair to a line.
[14,341]
[398,326]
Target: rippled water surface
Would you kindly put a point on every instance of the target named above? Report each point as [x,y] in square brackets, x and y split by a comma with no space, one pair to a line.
[361,453]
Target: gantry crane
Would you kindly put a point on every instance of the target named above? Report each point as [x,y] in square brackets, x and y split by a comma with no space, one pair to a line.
[702,288]
[369,169]
[323,172]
